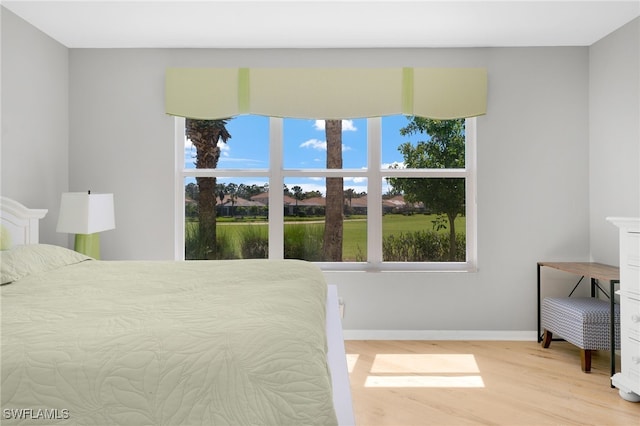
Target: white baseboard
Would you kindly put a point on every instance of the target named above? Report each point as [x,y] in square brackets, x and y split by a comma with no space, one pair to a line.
[523,335]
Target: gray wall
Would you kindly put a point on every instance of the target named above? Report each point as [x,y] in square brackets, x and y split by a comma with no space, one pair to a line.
[539,192]
[614,131]
[35,120]
[532,173]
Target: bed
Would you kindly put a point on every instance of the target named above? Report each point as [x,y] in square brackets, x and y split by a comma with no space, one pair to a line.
[163,342]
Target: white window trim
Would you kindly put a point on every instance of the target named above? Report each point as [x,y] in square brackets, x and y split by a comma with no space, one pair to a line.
[179,213]
[276,175]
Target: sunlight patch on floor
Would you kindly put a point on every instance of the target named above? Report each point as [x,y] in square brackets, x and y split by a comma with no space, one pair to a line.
[424,382]
[419,371]
[425,363]
[351,361]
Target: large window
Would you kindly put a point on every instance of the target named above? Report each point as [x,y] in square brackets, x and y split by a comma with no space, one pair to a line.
[391,193]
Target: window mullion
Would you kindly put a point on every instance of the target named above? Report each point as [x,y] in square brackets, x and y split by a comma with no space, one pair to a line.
[470,193]
[374,191]
[325,173]
[276,195]
[225,172]
[179,201]
[427,173]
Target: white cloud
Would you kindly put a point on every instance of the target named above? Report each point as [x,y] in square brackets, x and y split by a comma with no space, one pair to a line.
[190,150]
[315,144]
[320,145]
[347,125]
[394,165]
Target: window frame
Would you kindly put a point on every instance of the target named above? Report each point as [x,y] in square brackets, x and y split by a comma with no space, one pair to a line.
[374,173]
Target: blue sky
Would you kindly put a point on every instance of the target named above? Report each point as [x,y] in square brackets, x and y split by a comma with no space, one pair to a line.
[304,148]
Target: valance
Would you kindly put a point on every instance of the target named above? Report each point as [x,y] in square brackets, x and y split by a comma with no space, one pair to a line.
[326,93]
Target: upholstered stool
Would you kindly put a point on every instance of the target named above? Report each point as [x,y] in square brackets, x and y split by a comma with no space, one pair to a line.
[582,321]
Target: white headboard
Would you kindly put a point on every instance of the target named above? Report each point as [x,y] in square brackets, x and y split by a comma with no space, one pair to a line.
[21,222]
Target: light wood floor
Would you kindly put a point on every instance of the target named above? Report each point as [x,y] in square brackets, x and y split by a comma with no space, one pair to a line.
[494,383]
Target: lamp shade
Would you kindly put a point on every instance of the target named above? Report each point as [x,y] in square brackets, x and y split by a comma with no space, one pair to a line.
[86,213]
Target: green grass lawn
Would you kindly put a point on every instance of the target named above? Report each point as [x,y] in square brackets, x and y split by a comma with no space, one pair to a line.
[355,232]
[355,229]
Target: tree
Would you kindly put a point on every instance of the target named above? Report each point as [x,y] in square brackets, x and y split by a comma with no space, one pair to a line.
[312,194]
[444,150]
[205,135]
[391,191]
[297,194]
[332,245]
[349,195]
[191,191]
[233,198]
[248,191]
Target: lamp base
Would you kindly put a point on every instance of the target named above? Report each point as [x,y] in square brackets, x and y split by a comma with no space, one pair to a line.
[88,244]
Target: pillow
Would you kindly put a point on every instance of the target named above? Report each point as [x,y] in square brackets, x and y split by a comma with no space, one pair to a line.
[5,238]
[24,260]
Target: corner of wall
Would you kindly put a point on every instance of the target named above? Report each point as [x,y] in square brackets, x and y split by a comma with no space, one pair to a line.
[614,131]
[35,88]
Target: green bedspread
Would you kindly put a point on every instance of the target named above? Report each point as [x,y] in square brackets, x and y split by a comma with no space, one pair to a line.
[133,343]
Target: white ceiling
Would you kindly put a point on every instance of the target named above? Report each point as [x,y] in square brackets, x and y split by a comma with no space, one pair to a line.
[324,24]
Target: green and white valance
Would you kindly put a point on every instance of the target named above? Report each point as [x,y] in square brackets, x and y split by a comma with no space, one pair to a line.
[326,93]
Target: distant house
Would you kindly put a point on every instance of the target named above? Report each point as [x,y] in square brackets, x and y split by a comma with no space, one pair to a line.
[397,204]
[289,202]
[229,206]
[356,205]
[259,205]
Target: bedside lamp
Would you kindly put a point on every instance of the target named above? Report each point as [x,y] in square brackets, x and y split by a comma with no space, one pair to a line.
[86,214]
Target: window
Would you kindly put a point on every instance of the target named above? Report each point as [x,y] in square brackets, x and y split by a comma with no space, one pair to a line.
[406,200]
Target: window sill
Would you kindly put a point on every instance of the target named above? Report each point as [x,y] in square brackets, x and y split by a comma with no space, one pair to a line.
[397,267]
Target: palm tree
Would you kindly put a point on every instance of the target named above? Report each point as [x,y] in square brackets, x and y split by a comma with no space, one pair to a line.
[332,246]
[205,135]
[298,195]
[349,193]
